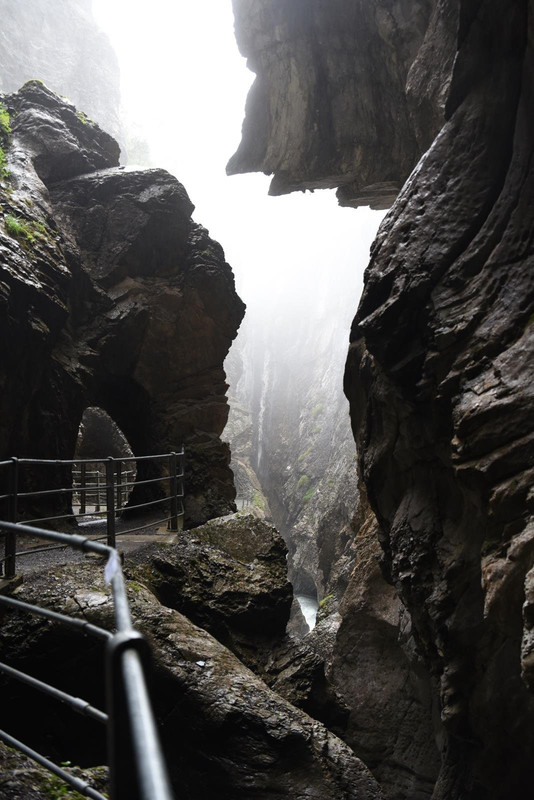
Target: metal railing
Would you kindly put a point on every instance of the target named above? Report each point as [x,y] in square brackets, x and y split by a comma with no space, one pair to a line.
[135,759]
[114,492]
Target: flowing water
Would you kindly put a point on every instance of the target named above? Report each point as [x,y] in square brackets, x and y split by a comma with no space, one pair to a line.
[309,607]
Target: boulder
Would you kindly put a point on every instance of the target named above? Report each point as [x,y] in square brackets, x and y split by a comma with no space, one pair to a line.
[223,730]
[228,576]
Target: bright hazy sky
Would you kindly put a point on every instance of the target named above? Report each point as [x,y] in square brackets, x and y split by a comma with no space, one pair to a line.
[184,86]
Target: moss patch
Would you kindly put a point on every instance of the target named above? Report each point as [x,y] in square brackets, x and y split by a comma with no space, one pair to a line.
[5,132]
[84,119]
[305,453]
[26,232]
[303,482]
[258,501]
[317,410]
[56,789]
[5,124]
[309,494]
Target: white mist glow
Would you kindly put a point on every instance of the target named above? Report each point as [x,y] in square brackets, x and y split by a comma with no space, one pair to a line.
[184,86]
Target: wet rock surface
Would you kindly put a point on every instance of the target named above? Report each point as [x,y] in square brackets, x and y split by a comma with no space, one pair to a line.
[443,410]
[439,377]
[223,730]
[229,577]
[329,106]
[132,307]
[60,44]
[24,779]
[375,670]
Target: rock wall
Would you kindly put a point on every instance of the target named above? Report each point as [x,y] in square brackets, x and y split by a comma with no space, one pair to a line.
[60,44]
[290,428]
[112,297]
[443,409]
[331,105]
[440,367]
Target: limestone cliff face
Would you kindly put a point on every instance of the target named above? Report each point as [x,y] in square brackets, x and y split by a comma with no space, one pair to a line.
[60,44]
[295,432]
[113,297]
[439,377]
[442,408]
[331,104]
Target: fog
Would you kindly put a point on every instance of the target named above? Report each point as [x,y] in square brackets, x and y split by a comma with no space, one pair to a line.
[184,86]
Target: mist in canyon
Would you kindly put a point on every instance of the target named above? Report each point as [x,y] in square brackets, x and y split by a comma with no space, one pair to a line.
[298,260]
[420,667]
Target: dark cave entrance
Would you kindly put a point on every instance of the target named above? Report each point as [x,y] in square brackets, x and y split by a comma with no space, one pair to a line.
[99,437]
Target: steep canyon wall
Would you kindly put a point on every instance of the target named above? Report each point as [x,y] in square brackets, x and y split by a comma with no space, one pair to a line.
[60,44]
[112,297]
[440,368]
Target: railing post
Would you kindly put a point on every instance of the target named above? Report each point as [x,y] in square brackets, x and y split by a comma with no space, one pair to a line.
[110,500]
[82,488]
[173,490]
[11,536]
[119,485]
[97,496]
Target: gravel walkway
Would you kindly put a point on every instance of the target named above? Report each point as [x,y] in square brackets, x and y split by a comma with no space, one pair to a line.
[96,529]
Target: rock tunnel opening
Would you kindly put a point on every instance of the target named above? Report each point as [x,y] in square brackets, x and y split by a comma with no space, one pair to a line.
[99,437]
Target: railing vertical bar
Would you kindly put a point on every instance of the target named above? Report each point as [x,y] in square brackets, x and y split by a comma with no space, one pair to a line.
[83,468]
[119,485]
[110,500]
[97,503]
[11,536]
[173,522]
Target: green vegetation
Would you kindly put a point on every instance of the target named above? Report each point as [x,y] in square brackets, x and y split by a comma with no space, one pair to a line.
[5,132]
[305,453]
[19,228]
[84,119]
[56,789]
[258,500]
[309,494]
[303,482]
[5,126]
[317,409]
[325,600]
[136,587]
[4,172]
[23,230]
[32,82]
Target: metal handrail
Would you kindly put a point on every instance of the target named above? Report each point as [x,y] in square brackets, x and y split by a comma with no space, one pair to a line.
[130,719]
[112,494]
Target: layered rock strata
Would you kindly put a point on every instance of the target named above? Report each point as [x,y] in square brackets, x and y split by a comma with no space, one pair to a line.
[439,370]
[113,297]
[330,106]
[440,375]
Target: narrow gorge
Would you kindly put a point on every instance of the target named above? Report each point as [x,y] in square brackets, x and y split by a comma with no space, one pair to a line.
[371,456]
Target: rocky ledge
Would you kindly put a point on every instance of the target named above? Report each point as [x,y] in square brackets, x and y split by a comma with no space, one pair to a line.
[224,731]
[112,297]
[337,101]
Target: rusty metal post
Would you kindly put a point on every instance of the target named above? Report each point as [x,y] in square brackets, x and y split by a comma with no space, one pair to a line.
[11,536]
[110,500]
